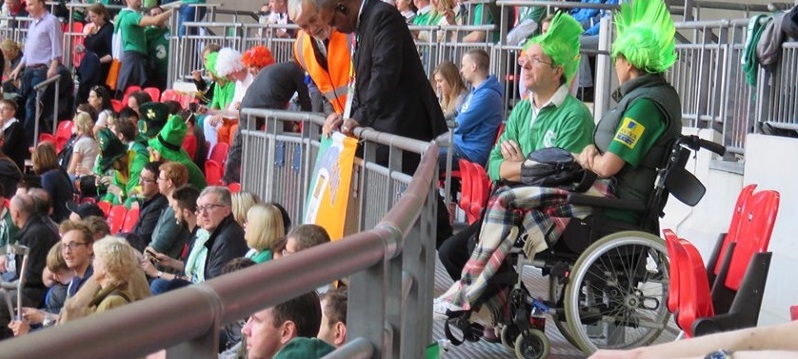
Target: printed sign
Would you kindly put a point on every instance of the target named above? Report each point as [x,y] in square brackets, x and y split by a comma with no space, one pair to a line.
[328,194]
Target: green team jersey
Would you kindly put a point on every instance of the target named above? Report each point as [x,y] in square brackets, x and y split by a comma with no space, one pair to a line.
[568,125]
[133,38]
[158,47]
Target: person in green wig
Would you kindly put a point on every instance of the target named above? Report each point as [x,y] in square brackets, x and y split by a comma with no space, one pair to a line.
[550,117]
[631,140]
[166,146]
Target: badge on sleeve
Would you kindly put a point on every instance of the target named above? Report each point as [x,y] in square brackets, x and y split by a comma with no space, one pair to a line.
[629,132]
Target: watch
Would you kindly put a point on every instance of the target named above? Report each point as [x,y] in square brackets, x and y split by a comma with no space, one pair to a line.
[720,354]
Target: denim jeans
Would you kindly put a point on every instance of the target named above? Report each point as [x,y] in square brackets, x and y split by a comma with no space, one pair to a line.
[187,14]
[32,77]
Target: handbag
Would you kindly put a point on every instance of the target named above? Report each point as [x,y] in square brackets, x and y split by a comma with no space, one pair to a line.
[555,167]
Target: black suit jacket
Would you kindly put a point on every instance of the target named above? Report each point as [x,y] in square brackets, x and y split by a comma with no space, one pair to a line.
[392,91]
[15,145]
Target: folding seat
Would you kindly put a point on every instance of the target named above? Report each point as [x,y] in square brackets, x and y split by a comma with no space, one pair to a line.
[213,173]
[116,218]
[219,153]
[131,218]
[105,206]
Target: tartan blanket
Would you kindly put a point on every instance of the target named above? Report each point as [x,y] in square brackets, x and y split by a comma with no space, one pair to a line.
[543,213]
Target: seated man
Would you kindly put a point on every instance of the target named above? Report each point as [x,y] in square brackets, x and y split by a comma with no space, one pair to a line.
[287,330]
[216,127]
[629,144]
[480,116]
[333,317]
[551,117]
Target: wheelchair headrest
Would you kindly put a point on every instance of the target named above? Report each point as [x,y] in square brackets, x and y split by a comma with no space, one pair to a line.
[685,186]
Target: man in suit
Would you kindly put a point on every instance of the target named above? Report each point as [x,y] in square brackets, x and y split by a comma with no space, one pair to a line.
[391,91]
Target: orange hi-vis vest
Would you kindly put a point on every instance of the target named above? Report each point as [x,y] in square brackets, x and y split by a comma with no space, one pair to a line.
[333,82]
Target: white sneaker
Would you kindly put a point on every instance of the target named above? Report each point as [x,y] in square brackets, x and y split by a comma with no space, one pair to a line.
[440,306]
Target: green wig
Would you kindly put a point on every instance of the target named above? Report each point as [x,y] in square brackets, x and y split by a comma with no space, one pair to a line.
[645,36]
[561,43]
[210,62]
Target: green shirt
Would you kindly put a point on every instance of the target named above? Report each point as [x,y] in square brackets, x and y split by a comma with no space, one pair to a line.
[483,17]
[8,231]
[133,38]
[426,19]
[222,95]
[569,125]
[158,47]
[640,127]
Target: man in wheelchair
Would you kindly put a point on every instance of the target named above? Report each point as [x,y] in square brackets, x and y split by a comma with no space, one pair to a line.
[628,146]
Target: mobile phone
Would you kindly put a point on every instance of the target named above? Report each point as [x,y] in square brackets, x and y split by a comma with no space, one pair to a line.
[152,254]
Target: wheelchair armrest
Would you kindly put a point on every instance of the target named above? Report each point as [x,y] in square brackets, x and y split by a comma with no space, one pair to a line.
[613,203]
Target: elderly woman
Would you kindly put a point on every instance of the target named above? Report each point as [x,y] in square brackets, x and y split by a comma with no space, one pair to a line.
[54,180]
[115,265]
[264,227]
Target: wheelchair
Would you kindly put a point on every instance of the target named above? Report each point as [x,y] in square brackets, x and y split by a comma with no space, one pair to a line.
[608,280]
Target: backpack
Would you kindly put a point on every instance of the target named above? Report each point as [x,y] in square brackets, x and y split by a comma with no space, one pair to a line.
[555,167]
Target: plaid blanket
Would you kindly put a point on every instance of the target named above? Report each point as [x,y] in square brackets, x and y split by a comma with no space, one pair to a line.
[544,214]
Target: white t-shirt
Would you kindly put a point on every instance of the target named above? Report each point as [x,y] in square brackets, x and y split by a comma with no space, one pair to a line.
[87,147]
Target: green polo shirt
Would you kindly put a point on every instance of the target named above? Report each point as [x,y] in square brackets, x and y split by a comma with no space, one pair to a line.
[133,38]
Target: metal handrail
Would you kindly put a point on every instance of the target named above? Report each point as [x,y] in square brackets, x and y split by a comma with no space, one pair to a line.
[559,4]
[39,88]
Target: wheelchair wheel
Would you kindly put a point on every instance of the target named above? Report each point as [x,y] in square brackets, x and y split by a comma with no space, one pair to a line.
[509,333]
[556,289]
[617,294]
[532,345]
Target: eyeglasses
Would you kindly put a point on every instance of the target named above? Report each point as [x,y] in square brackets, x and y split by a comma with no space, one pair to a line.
[208,207]
[148,180]
[6,109]
[534,60]
[161,179]
[71,246]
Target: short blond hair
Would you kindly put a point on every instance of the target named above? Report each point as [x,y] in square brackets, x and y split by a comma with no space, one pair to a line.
[55,259]
[264,226]
[84,124]
[242,202]
[119,259]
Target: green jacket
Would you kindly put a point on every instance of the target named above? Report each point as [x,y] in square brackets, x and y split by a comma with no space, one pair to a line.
[304,348]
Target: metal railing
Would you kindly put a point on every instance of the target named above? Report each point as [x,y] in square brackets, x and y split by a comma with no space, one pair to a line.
[40,88]
[390,265]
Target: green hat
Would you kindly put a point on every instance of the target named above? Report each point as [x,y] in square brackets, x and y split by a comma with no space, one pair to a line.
[645,36]
[111,149]
[168,142]
[153,118]
[561,43]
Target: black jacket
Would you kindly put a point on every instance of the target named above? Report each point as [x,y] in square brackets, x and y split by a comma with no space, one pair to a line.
[15,144]
[225,243]
[392,91]
[39,238]
[9,177]
[148,217]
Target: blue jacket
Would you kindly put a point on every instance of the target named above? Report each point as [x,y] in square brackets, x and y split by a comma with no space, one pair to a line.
[478,120]
[590,18]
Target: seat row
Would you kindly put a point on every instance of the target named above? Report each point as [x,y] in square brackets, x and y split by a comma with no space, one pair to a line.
[727,293]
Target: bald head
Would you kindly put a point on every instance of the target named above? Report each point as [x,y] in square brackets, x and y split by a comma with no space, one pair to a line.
[22,207]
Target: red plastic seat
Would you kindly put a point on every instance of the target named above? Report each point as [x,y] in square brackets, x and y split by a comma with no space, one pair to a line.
[88,200]
[117,105]
[465,189]
[46,137]
[170,95]
[62,134]
[213,173]
[673,287]
[753,234]
[719,253]
[105,206]
[131,218]
[480,189]
[695,300]
[116,218]
[154,92]
[219,153]
[190,145]
[234,187]
[129,90]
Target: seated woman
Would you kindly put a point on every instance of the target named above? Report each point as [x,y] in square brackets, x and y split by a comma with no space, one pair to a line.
[53,178]
[100,100]
[629,143]
[264,227]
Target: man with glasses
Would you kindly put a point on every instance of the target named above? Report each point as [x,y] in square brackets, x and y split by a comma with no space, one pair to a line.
[35,234]
[76,248]
[226,241]
[151,206]
[169,237]
[550,117]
